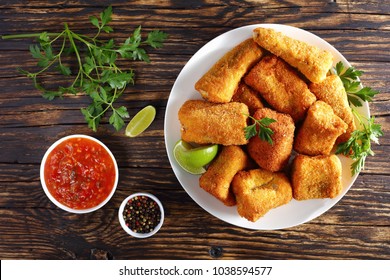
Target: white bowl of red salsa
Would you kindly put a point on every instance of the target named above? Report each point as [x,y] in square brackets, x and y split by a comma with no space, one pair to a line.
[79,174]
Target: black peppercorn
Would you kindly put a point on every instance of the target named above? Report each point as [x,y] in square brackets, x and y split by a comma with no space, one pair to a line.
[142,214]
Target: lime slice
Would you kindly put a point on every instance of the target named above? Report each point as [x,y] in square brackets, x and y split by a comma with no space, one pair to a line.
[193,159]
[140,121]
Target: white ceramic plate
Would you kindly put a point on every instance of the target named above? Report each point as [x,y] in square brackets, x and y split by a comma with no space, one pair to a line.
[291,214]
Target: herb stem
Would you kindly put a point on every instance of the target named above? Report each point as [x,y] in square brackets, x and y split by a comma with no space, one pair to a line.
[55,39]
[70,36]
[46,67]
[81,39]
[61,50]
[97,33]
[31,35]
[94,62]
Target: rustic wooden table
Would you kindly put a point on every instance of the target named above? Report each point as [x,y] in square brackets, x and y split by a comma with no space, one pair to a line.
[31,227]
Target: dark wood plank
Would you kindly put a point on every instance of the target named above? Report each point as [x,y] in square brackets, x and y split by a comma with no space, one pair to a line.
[367,195]
[330,5]
[344,232]
[219,17]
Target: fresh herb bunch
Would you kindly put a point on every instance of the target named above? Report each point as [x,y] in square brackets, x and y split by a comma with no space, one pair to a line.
[358,146]
[264,132]
[97,73]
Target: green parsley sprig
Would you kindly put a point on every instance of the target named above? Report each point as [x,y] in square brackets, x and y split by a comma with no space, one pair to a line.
[264,132]
[358,146]
[97,73]
[350,79]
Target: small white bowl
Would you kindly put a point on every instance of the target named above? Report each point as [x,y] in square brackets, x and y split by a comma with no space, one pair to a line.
[122,220]
[59,204]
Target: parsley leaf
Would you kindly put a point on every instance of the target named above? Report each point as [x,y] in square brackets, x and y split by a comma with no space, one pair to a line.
[96,73]
[358,146]
[156,38]
[264,132]
[117,116]
[94,20]
[351,82]
[105,16]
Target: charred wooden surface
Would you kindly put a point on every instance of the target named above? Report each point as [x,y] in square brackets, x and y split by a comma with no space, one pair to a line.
[31,227]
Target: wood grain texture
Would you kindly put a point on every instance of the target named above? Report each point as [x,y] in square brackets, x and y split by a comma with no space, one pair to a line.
[31,227]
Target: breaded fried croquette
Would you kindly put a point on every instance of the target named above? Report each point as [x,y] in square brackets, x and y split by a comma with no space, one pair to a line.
[273,157]
[248,96]
[279,85]
[310,60]
[257,191]
[203,122]
[319,131]
[219,175]
[221,80]
[316,177]
[332,91]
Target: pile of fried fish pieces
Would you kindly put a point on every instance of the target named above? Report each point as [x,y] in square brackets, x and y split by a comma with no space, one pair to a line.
[270,76]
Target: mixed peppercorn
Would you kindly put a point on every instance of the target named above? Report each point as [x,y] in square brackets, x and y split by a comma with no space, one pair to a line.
[141,214]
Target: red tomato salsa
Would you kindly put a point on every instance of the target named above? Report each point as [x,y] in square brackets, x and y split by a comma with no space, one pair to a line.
[79,173]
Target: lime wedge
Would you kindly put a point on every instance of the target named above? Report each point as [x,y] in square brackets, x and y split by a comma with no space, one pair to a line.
[140,121]
[193,159]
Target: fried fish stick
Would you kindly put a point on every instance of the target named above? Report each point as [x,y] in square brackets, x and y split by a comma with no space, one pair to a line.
[332,91]
[248,96]
[316,177]
[220,82]
[258,191]
[310,60]
[279,85]
[221,171]
[204,122]
[319,131]
[273,157]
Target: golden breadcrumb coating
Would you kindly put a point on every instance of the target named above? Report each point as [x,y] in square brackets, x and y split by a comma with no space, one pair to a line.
[280,85]
[221,80]
[310,60]
[273,157]
[319,131]
[203,122]
[257,191]
[249,97]
[216,180]
[332,91]
[316,177]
